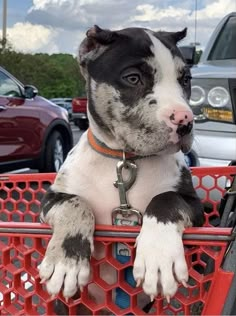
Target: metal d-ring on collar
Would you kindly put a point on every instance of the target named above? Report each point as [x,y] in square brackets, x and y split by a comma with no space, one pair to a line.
[125,209]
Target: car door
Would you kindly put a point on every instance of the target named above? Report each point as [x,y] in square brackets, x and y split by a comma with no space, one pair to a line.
[16,124]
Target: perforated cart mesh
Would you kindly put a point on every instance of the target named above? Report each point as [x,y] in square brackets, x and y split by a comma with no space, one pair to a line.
[23,242]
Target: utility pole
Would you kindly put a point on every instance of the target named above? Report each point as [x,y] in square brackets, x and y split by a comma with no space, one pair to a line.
[4,24]
[195,26]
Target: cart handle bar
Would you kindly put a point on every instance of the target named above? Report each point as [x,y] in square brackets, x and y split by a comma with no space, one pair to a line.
[196,233]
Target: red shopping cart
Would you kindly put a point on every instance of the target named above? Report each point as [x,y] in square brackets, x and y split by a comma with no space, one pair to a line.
[209,254]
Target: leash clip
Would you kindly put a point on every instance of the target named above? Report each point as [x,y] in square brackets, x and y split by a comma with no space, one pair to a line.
[125,209]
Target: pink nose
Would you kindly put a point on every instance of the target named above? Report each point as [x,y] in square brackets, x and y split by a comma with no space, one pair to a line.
[181,117]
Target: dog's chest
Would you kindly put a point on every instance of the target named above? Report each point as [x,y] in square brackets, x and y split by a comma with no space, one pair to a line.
[91,176]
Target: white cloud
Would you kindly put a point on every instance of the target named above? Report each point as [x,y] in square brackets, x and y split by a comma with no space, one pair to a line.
[212,11]
[42,4]
[173,18]
[149,12]
[217,9]
[60,25]
[26,37]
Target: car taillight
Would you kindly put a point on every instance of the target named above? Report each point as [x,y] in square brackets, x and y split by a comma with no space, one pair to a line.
[75,104]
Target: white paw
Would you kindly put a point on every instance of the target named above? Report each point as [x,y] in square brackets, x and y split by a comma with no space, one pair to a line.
[160,262]
[59,271]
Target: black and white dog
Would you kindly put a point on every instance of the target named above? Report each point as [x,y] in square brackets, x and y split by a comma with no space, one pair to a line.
[138,89]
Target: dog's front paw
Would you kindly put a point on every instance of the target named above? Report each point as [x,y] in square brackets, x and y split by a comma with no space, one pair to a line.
[67,261]
[160,262]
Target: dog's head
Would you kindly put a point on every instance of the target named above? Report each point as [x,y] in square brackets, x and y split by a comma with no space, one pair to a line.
[138,87]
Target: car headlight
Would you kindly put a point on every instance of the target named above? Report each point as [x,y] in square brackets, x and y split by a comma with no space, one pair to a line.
[218,97]
[198,95]
[210,100]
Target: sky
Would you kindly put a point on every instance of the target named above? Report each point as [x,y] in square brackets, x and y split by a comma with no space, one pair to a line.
[58,26]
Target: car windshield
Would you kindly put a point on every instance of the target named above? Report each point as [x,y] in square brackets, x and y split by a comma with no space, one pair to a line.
[225,46]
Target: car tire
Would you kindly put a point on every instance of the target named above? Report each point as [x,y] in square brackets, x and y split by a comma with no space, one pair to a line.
[55,152]
[82,124]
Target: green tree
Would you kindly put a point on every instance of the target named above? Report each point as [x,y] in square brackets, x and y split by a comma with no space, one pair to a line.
[197,56]
[56,75]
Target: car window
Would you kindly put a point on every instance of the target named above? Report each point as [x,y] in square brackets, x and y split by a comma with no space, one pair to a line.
[225,46]
[8,87]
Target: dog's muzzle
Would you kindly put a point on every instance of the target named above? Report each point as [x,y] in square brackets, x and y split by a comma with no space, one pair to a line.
[184,121]
[183,130]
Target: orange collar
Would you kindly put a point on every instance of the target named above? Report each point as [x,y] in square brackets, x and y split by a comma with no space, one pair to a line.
[102,148]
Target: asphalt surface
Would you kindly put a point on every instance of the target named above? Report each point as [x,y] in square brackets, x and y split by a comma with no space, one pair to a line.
[76,133]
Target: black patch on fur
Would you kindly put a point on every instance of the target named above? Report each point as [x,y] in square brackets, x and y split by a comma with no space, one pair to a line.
[129,50]
[152,102]
[165,207]
[77,247]
[52,198]
[186,190]
[185,185]
[110,113]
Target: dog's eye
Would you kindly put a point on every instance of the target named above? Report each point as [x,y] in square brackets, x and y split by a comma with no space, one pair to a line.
[133,79]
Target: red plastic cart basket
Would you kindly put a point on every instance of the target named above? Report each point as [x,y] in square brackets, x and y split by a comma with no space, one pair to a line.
[23,242]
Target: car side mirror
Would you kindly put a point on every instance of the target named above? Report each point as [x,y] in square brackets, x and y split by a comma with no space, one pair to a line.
[30,91]
[188,52]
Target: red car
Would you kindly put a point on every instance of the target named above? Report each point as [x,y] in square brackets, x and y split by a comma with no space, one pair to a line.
[79,112]
[34,132]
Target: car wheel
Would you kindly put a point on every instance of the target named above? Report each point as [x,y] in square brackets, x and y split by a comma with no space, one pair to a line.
[55,152]
[82,124]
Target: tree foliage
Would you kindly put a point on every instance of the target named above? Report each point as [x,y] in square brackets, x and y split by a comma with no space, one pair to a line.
[56,75]
[197,56]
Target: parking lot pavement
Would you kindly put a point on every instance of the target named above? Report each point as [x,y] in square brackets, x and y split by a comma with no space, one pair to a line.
[76,133]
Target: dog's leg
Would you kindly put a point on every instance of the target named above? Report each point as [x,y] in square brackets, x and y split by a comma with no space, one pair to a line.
[69,250]
[160,262]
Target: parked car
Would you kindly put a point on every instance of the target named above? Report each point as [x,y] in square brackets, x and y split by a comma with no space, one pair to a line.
[34,132]
[79,112]
[65,103]
[213,97]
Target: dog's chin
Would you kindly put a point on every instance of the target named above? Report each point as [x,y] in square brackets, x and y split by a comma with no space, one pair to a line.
[184,145]
[169,148]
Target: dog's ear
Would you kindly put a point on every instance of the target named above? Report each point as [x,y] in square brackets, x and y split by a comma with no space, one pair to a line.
[96,41]
[178,36]
[174,37]
[100,36]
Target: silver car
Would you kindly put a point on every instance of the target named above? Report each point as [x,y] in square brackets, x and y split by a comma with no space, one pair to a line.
[213,97]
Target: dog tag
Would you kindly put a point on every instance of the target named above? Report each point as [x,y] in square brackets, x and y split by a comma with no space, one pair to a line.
[128,212]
